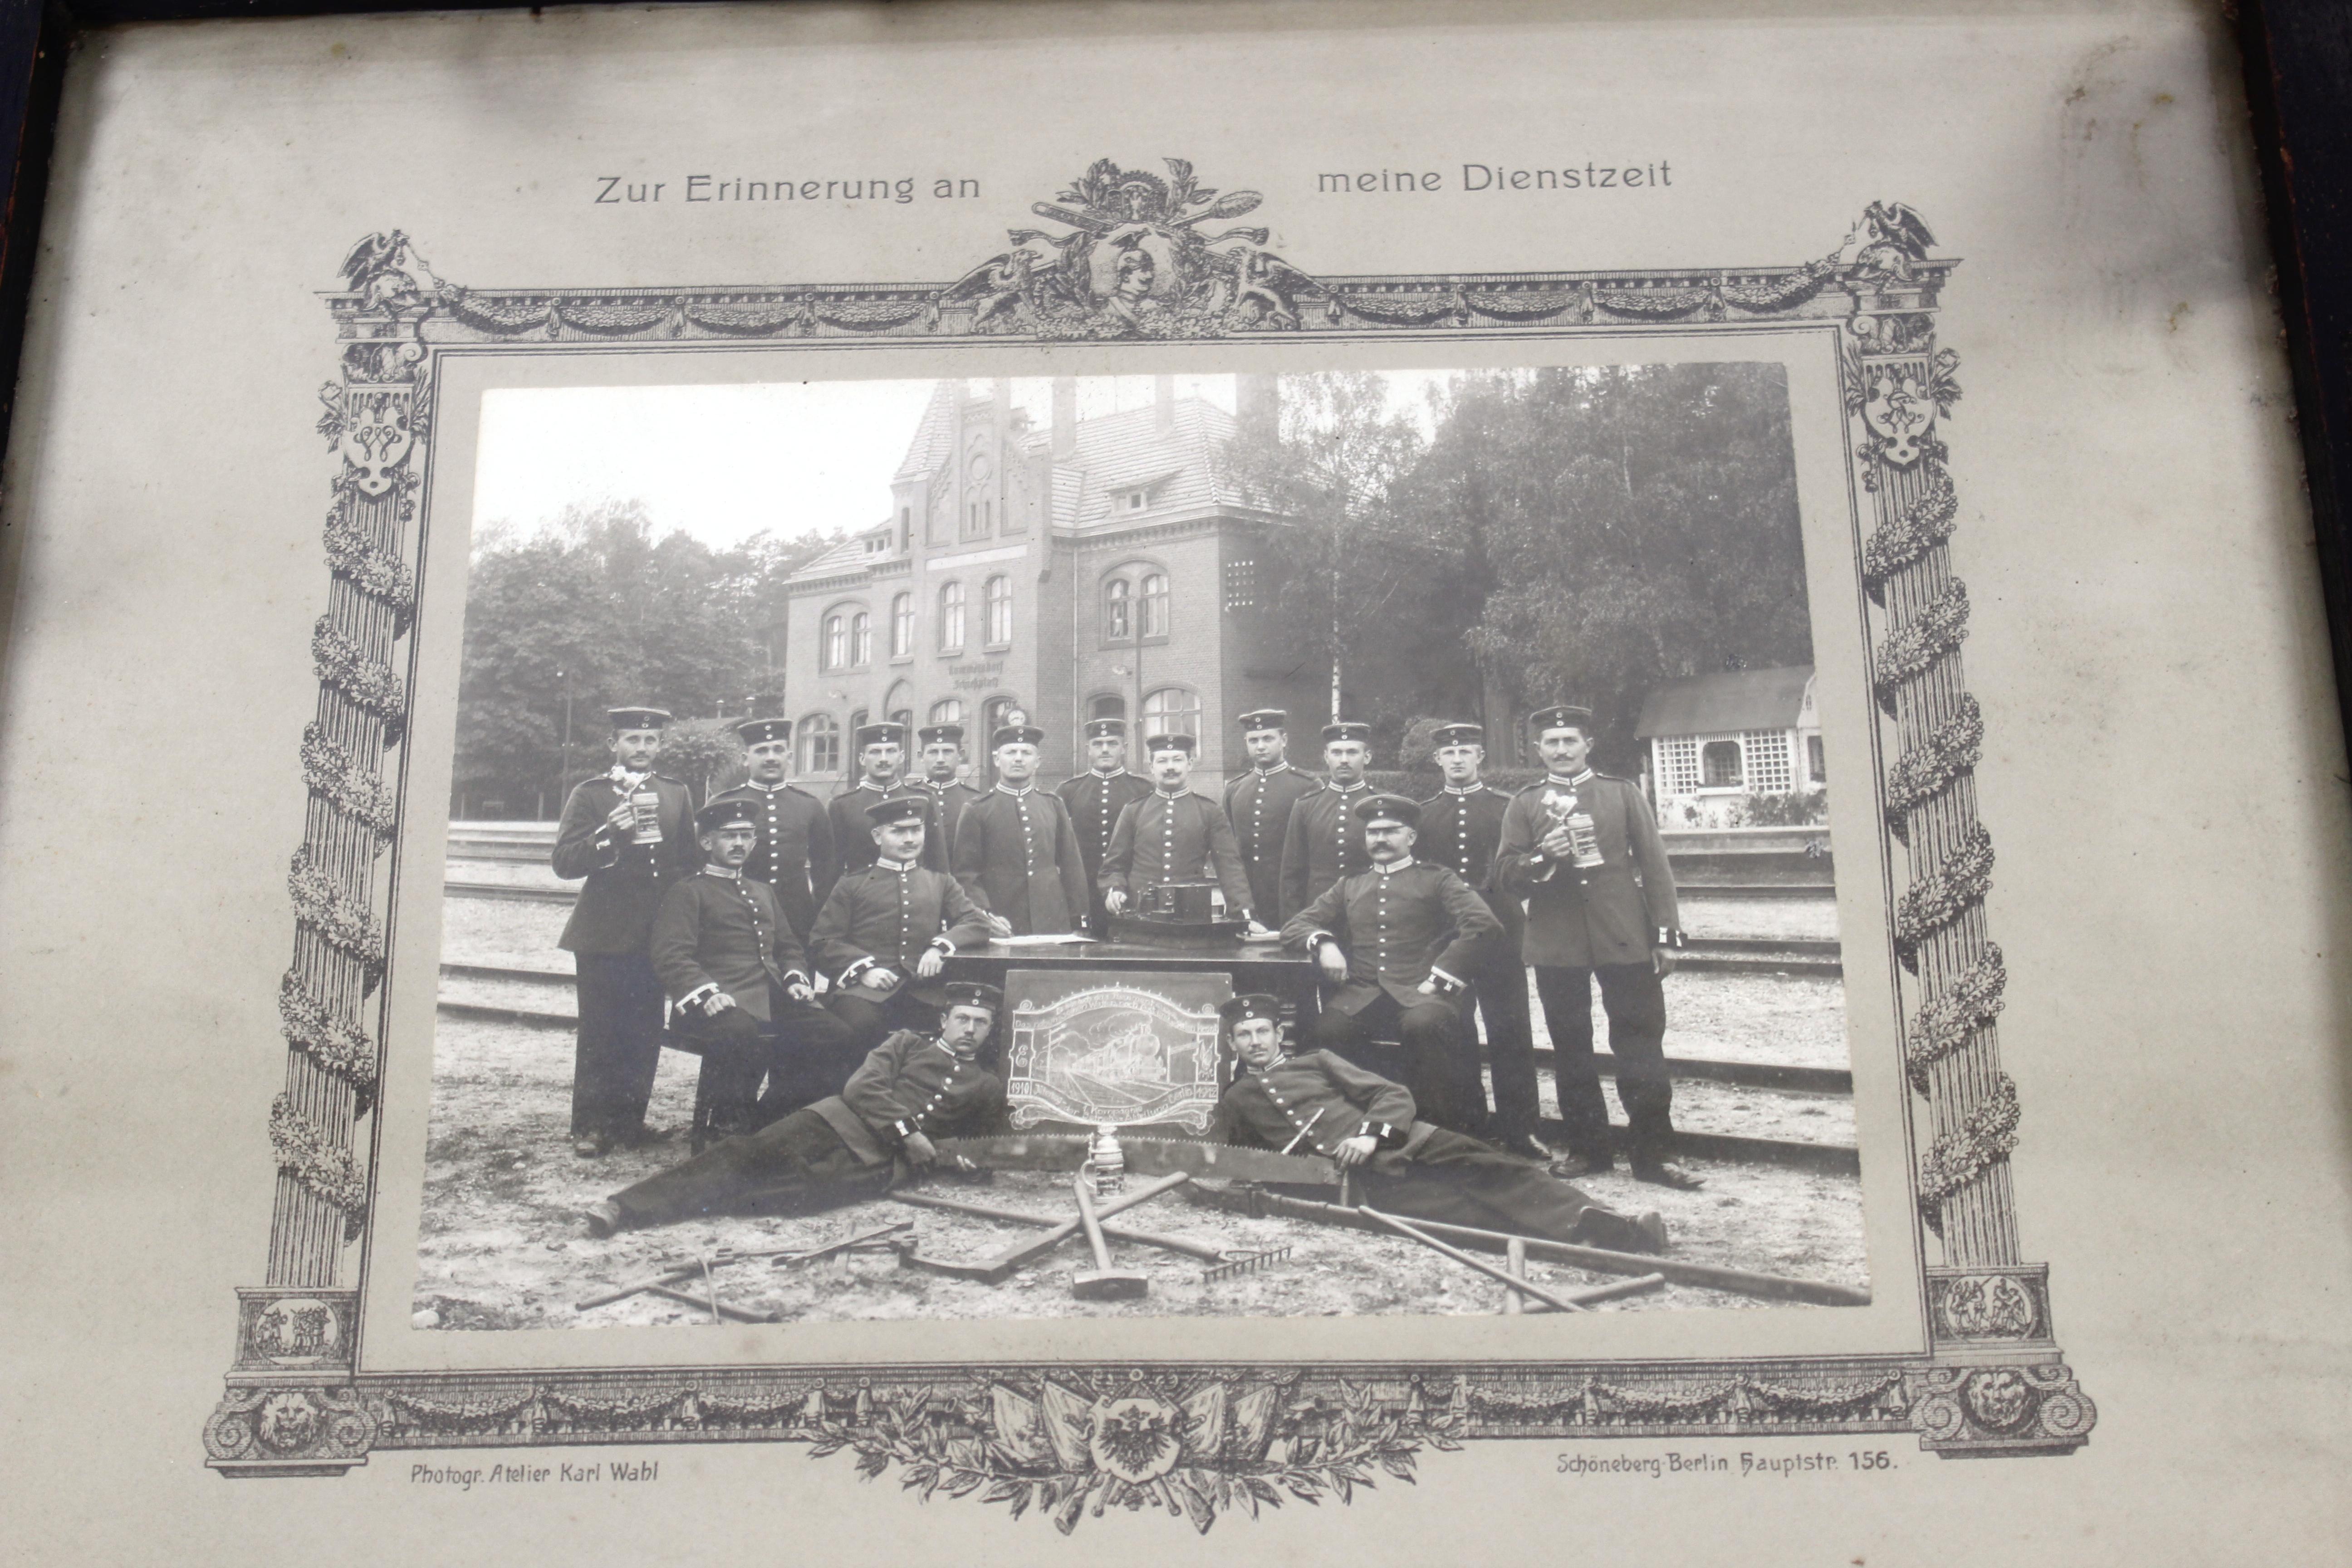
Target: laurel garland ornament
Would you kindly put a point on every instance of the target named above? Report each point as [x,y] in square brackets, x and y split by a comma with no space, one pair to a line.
[335,1043]
[1936,901]
[1926,771]
[1912,650]
[1945,1024]
[354,557]
[329,1173]
[1785,293]
[342,921]
[1906,538]
[337,778]
[370,685]
[1987,1137]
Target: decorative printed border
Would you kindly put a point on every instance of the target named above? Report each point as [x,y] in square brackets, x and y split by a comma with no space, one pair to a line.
[1131,260]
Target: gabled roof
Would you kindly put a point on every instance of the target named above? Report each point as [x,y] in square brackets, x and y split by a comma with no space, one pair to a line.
[934,439]
[849,553]
[1726,702]
[1183,465]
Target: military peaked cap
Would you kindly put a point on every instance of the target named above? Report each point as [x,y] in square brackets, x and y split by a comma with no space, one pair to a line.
[1185,743]
[972,994]
[755,730]
[906,807]
[1251,1005]
[1264,718]
[933,734]
[881,735]
[1389,808]
[1105,729]
[1561,716]
[1349,731]
[724,814]
[1458,735]
[1017,735]
[635,719]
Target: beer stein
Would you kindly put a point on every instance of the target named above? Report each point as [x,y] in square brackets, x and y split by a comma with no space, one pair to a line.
[647,807]
[1580,833]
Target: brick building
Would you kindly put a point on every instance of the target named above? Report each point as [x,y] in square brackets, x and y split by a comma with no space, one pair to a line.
[1096,567]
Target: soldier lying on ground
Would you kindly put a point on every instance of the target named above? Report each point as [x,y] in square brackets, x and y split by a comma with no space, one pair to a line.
[844,1149]
[1321,1103]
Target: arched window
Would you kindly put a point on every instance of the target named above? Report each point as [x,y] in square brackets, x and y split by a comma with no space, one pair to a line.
[820,744]
[1118,607]
[947,710]
[900,707]
[835,652]
[858,720]
[997,595]
[1107,705]
[861,639]
[992,718]
[1155,604]
[1172,710]
[952,619]
[902,625]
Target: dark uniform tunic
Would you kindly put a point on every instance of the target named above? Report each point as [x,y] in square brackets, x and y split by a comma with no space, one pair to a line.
[620,997]
[1096,799]
[723,933]
[1016,854]
[1418,1169]
[852,830]
[838,1150]
[1460,830]
[949,801]
[1258,806]
[1322,843]
[795,854]
[1175,838]
[885,917]
[1401,925]
[1601,924]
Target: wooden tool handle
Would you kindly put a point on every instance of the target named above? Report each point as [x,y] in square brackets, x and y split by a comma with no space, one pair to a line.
[1086,1218]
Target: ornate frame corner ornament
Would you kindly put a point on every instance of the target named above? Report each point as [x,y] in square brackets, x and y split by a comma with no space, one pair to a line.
[1134,256]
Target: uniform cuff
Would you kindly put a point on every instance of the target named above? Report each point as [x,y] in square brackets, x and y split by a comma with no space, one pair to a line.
[695,997]
[1666,936]
[794,975]
[1451,982]
[944,945]
[853,970]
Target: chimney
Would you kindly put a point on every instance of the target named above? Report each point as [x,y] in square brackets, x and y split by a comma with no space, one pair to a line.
[1257,406]
[1164,402]
[1065,415]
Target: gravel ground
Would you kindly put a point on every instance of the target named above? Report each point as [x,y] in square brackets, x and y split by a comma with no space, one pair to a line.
[502,1245]
[520,873]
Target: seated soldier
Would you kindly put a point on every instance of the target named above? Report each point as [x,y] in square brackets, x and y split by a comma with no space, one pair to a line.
[845,1148]
[1323,1104]
[738,985]
[890,924]
[1397,940]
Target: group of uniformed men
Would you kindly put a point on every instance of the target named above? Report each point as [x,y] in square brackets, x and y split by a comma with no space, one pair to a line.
[1417,913]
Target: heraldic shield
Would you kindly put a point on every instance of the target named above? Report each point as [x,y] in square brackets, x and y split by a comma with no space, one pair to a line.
[1118,1048]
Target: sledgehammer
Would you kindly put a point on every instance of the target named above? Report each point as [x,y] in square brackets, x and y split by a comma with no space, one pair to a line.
[1102,1283]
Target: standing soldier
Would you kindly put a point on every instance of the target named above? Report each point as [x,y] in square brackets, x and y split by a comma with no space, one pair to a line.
[1583,851]
[1258,805]
[795,854]
[1398,942]
[890,924]
[1095,798]
[1323,841]
[942,762]
[1174,835]
[631,834]
[1017,852]
[1460,829]
[740,984]
[881,753]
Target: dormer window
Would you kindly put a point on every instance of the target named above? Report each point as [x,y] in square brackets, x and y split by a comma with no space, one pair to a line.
[1138,500]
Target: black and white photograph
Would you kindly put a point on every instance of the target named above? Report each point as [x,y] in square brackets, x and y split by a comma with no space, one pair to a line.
[1371,824]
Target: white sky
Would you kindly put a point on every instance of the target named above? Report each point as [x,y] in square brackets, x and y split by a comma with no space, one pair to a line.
[722,463]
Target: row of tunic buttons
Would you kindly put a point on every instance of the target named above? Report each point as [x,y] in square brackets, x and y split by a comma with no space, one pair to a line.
[1275,1095]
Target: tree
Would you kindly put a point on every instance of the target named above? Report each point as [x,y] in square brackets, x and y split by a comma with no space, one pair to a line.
[594,612]
[1620,527]
[1357,582]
